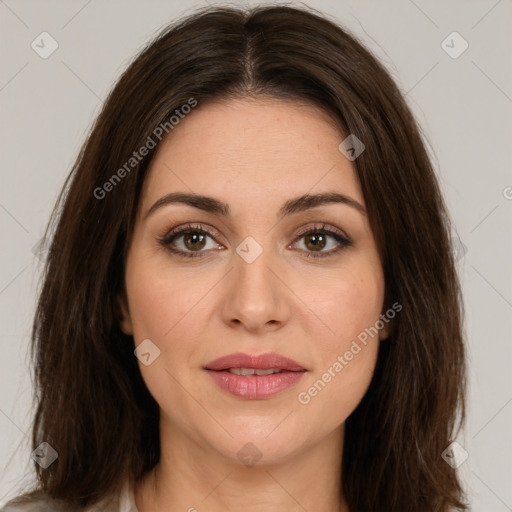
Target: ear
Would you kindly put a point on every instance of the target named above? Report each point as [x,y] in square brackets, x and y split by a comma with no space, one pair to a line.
[390,309]
[123,314]
[385,332]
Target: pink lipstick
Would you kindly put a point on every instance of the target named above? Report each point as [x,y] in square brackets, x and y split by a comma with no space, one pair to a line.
[255,377]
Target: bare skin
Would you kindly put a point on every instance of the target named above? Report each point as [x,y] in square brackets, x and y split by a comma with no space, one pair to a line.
[253,155]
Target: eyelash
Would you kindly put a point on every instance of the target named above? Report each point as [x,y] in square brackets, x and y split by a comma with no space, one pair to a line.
[168,238]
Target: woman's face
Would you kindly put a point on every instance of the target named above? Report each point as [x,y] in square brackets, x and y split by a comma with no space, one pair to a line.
[247,279]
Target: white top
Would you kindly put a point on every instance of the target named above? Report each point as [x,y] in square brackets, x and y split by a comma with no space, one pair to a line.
[125,503]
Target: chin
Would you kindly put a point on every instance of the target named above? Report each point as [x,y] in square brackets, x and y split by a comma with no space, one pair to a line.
[259,445]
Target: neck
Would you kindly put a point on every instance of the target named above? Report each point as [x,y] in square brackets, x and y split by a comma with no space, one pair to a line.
[193,477]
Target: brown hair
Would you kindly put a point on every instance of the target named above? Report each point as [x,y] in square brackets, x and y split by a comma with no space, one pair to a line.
[93,407]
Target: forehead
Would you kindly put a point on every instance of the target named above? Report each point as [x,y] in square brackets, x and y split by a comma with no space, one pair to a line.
[252,150]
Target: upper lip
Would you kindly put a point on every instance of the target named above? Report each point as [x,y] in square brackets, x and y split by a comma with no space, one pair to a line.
[256,361]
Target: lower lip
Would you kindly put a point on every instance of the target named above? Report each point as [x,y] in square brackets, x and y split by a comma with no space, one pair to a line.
[255,387]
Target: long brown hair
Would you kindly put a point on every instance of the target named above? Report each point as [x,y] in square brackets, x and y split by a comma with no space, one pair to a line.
[92,405]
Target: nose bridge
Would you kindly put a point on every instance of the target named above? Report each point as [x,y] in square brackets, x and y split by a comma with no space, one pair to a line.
[256,297]
[252,269]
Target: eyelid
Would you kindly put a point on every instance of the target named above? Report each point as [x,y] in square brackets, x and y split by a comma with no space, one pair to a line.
[190,226]
[323,227]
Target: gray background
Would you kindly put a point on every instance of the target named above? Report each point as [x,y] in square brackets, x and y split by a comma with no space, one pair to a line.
[463,105]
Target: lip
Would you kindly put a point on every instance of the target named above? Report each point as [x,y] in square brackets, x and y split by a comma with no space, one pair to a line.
[257,361]
[255,387]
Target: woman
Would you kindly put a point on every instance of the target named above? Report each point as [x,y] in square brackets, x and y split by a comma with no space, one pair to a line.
[250,299]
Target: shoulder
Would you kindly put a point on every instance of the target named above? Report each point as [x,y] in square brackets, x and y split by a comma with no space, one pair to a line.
[49,505]
[39,501]
[32,505]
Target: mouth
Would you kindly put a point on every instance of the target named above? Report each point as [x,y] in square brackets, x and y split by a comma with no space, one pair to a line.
[255,377]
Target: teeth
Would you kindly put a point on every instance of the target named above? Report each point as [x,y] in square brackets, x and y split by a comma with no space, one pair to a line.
[242,371]
[252,371]
[267,372]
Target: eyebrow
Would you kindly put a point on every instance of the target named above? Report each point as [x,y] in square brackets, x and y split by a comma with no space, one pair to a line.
[295,205]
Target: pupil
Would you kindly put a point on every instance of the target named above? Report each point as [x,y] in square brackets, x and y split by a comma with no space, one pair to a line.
[319,239]
[196,239]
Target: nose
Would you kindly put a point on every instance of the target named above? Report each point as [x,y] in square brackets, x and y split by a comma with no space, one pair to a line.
[256,297]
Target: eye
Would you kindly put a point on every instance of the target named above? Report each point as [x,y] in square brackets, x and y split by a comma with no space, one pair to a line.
[316,239]
[195,241]
[189,241]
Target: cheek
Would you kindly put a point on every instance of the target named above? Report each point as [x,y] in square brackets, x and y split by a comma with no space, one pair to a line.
[348,307]
[154,309]
[360,304]
[160,300]
[347,352]
[163,307]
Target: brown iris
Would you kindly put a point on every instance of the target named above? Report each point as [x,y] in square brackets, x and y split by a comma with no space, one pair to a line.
[317,238]
[194,241]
